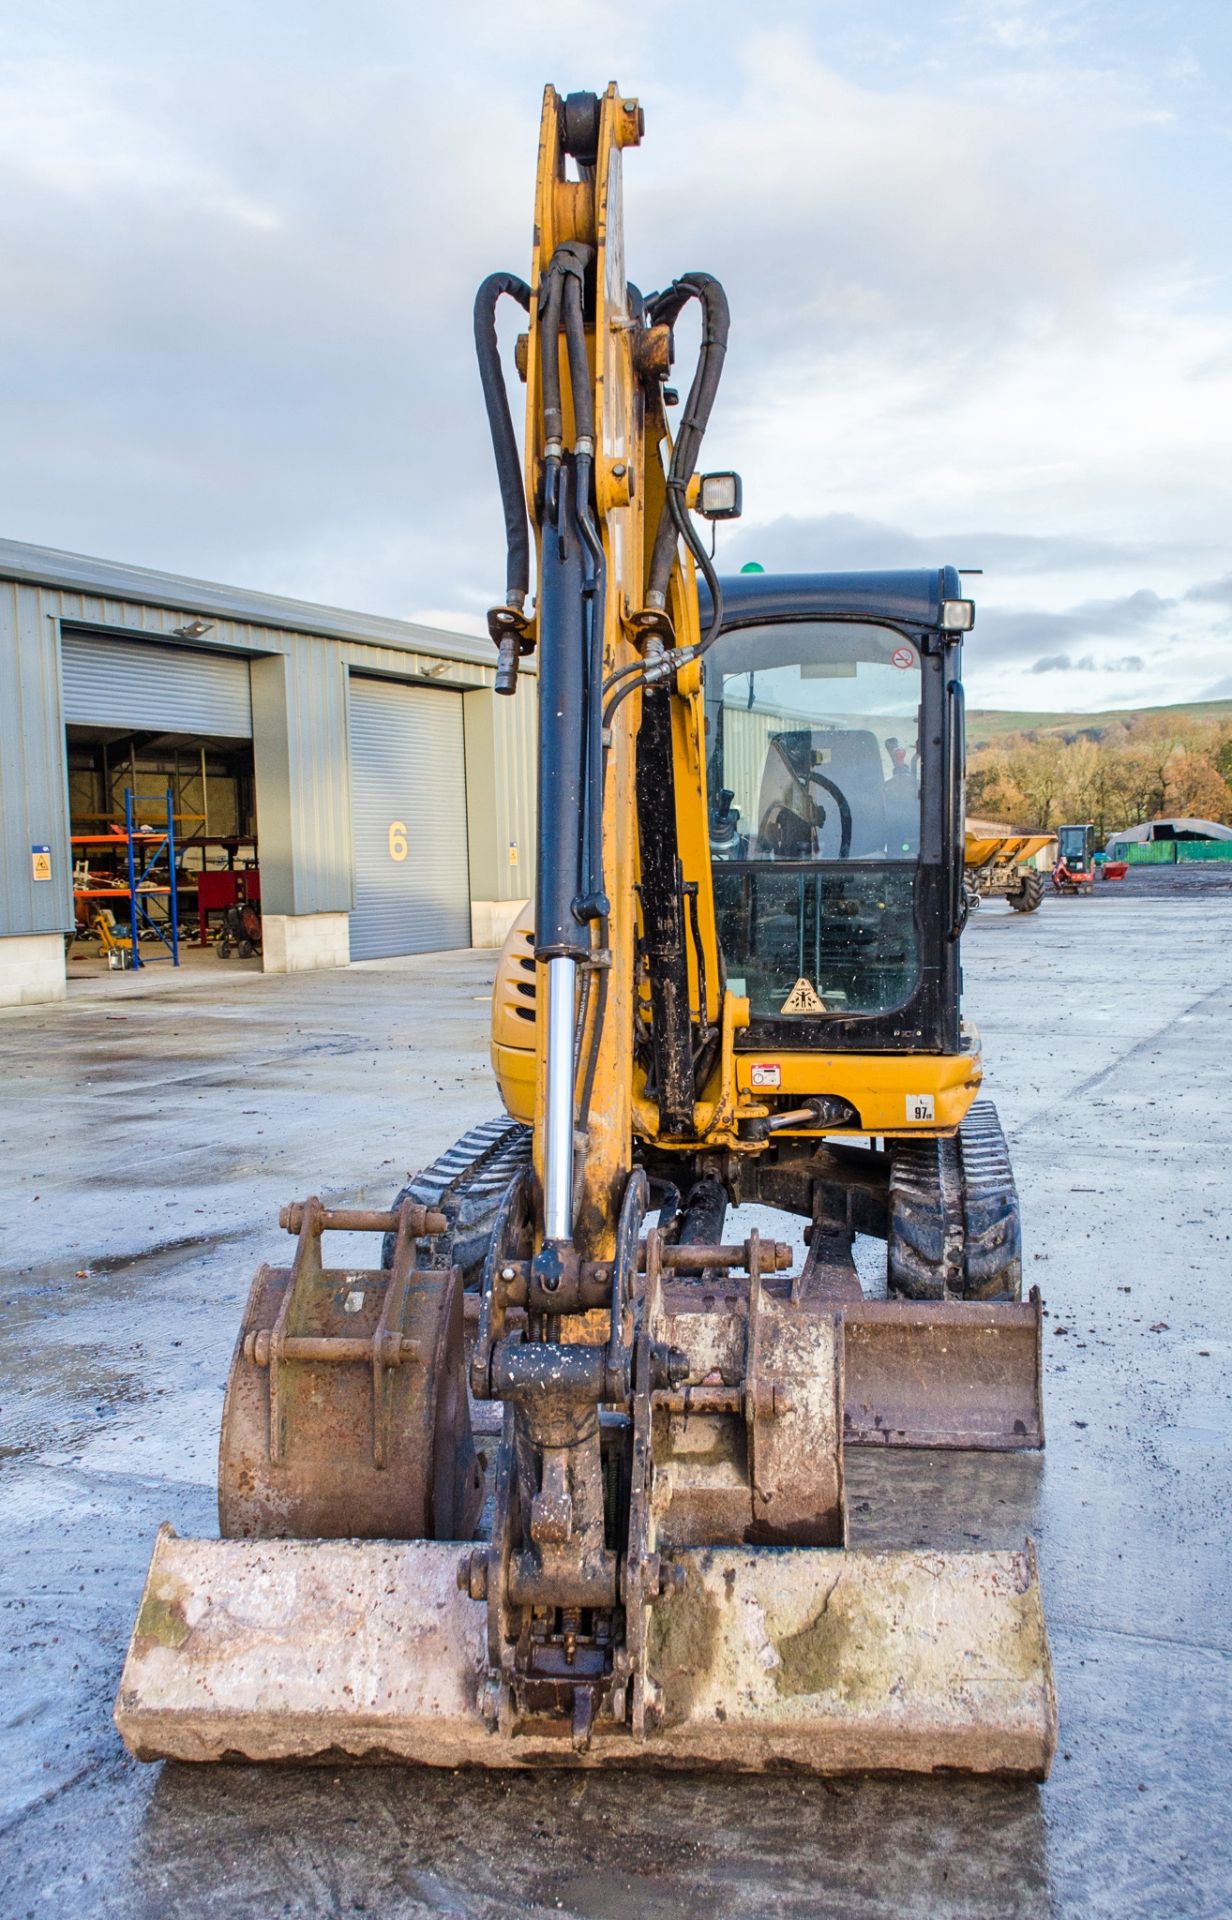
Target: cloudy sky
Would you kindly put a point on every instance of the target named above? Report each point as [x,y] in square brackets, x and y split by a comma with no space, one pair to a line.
[978,256]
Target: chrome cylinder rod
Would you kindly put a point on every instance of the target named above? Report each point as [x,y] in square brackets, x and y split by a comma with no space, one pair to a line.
[558,1114]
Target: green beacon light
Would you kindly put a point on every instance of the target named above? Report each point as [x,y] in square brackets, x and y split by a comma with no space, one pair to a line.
[752,566]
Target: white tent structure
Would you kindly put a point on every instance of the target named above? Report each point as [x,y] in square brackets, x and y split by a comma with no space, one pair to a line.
[1179,829]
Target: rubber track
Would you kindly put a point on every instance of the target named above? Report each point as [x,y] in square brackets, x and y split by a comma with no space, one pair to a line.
[954,1225]
[466,1184]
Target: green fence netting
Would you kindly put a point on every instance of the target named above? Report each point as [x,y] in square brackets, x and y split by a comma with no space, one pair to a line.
[1159,853]
[1145,853]
[1204,849]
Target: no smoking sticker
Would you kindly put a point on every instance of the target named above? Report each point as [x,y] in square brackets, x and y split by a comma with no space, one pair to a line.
[903,657]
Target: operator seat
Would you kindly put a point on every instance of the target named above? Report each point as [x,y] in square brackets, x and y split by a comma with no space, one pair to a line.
[851,759]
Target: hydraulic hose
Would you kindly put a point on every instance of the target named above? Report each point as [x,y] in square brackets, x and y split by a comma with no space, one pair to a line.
[504,445]
[603,937]
[550,301]
[676,522]
[688,532]
[570,265]
[664,309]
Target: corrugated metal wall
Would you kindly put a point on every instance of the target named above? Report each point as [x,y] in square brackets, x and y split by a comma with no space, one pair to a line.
[408,820]
[33,776]
[515,756]
[500,786]
[138,683]
[320,796]
[301,753]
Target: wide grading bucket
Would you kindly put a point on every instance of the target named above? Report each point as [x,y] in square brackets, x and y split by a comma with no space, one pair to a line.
[816,1659]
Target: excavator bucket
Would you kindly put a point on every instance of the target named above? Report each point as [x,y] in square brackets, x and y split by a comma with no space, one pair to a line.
[811,1658]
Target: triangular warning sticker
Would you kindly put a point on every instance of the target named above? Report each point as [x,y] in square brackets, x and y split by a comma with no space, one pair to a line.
[802,999]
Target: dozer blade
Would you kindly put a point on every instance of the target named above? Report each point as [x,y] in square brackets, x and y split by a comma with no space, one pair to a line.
[810,1658]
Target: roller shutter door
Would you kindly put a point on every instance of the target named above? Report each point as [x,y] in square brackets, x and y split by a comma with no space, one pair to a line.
[155,689]
[408,820]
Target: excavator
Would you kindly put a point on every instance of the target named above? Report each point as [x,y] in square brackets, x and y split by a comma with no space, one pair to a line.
[733,1003]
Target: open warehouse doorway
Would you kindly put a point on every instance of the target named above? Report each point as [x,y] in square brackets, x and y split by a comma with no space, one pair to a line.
[161,789]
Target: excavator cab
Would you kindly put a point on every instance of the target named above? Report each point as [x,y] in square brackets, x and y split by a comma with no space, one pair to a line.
[827,736]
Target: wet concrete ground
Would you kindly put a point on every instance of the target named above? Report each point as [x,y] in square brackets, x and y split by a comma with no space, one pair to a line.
[150,1130]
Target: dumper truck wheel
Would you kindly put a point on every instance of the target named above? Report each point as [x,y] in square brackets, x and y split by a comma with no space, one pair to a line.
[1030,895]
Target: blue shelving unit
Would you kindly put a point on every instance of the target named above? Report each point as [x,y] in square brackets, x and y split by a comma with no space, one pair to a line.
[140,886]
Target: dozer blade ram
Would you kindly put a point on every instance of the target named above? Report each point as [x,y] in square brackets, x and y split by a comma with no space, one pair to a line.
[738,982]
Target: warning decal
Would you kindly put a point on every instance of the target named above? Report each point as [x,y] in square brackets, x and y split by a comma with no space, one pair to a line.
[903,657]
[802,999]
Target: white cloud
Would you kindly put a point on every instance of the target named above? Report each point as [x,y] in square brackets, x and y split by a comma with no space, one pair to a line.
[96,140]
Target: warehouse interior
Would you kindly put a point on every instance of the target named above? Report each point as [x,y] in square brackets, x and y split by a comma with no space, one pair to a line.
[211,785]
[161,801]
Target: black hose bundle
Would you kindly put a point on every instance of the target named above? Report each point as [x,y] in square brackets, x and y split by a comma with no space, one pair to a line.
[504,445]
[551,297]
[664,309]
[570,262]
[560,301]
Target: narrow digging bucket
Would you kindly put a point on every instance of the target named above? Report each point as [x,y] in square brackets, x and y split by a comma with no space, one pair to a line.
[816,1659]
[964,1374]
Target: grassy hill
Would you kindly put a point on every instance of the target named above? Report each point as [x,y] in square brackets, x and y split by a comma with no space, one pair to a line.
[986,725]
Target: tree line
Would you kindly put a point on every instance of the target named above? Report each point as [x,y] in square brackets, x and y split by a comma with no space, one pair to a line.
[1114,773]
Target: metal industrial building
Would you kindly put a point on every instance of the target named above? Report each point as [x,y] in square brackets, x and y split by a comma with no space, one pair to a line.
[363,765]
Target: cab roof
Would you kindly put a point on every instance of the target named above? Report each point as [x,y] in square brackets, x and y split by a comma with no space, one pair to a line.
[911,594]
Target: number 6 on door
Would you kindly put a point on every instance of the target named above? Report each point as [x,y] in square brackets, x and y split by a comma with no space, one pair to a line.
[397,840]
